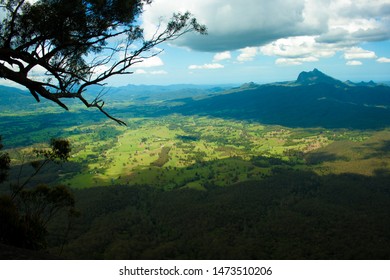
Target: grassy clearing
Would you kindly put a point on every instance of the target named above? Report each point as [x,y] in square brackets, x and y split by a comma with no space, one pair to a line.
[193,152]
[366,155]
[178,151]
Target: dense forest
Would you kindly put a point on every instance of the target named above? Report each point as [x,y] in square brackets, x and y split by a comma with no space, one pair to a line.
[290,215]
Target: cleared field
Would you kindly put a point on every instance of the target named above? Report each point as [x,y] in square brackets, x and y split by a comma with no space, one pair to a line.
[177,151]
[180,151]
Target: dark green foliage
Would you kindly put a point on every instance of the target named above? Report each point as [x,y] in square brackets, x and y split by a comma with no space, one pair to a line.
[188,138]
[25,212]
[24,218]
[262,161]
[4,164]
[292,215]
[59,150]
[163,157]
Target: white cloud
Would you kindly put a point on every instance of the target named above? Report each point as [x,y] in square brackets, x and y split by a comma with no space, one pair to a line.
[140,72]
[354,63]
[153,61]
[295,61]
[238,24]
[291,47]
[234,25]
[247,54]
[383,60]
[144,72]
[222,56]
[297,50]
[159,72]
[294,31]
[359,53]
[206,66]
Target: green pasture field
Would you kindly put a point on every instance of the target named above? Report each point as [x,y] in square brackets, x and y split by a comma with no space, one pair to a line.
[176,151]
[201,151]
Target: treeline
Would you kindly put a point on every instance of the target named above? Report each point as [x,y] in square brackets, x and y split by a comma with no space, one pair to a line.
[163,157]
[290,215]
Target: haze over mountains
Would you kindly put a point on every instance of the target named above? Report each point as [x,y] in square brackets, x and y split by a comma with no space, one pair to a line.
[314,99]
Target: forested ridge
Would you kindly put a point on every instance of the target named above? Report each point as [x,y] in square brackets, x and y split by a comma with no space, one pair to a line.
[290,215]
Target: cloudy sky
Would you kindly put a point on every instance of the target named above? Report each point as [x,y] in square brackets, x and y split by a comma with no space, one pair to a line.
[266,41]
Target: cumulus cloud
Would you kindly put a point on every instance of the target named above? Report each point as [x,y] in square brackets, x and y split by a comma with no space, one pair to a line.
[383,60]
[238,24]
[247,54]
[234,25]
[294,31]
[354,63]
[222,56]
[153,61]
[140,72]
[295,61]
[206,66]
[296,50]
[359,53]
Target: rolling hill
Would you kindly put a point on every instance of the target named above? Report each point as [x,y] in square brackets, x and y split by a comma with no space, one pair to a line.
[313,100]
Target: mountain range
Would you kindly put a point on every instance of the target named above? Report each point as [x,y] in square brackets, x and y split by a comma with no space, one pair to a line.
[314,99]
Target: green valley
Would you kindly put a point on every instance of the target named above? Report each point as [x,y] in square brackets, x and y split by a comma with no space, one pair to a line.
[178,151]
[172,180]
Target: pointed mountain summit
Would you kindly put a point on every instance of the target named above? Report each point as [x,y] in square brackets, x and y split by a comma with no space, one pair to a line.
[317,77]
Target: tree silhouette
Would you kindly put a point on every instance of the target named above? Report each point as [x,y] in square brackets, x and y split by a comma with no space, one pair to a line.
[4,163]
[77,43]
[26,211]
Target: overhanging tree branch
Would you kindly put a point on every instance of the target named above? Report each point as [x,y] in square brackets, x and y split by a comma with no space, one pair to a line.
[58,38]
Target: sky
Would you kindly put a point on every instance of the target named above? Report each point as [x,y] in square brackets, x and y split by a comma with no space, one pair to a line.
[265,41]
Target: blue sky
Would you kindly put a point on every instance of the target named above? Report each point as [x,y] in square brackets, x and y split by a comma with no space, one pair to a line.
[266,41]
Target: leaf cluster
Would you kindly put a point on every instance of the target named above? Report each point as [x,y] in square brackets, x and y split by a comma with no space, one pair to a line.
[59,151]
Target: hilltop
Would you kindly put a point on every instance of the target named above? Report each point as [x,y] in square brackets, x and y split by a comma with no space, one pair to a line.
[314,99]
[316,77]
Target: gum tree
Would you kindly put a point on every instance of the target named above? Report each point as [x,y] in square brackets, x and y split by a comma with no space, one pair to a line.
[75,44]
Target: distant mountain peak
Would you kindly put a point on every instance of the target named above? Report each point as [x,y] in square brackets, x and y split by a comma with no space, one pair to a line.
[250,85]
[362,84]
[316,77]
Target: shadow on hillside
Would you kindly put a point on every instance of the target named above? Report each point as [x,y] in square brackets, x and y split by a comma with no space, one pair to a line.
[308,106]
[381,149]
[317,157]
[289,115]
[51,174]
[291,214]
